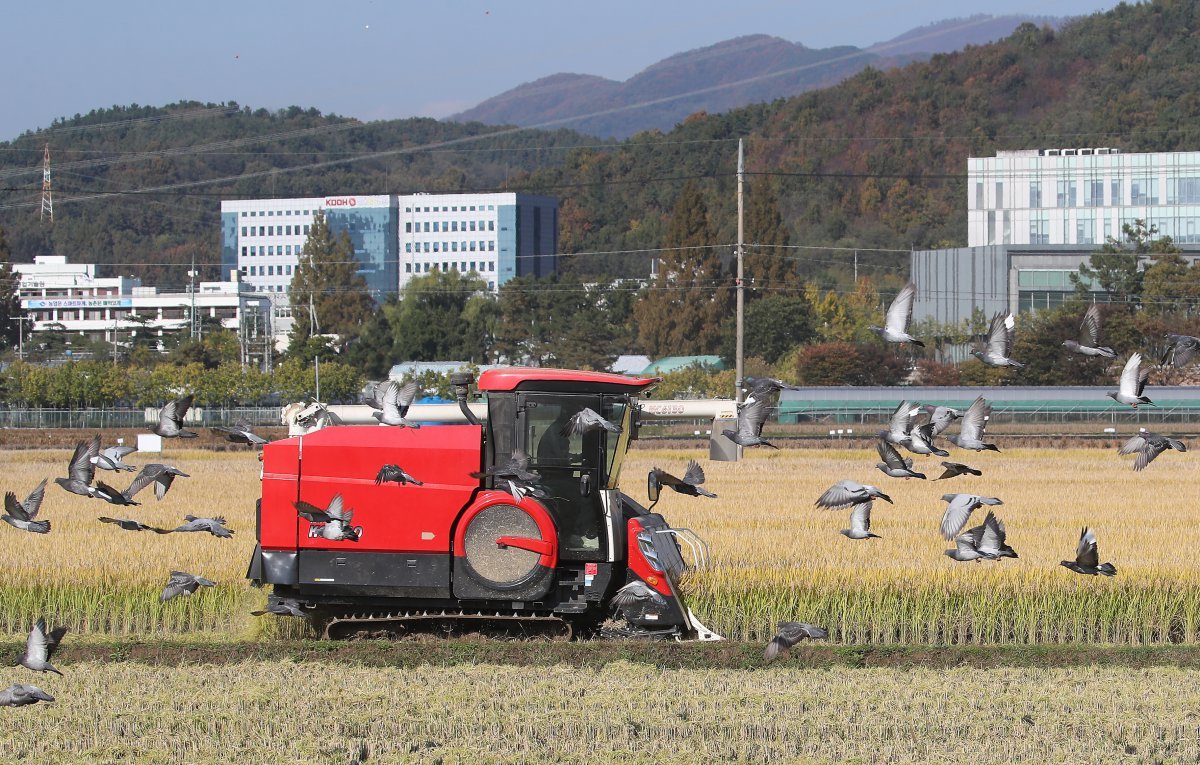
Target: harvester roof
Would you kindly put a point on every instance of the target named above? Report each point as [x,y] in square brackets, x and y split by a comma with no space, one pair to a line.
[561,381]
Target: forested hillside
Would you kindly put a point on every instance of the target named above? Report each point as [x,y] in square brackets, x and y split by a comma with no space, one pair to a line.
[877,163]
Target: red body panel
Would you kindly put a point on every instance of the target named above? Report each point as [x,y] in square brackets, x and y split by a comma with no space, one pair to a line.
[278,527]
[393,517]
[545,524]
[507,379]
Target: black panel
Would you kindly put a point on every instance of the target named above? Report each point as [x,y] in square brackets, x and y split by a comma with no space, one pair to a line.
[279,567]
[403,574]
[469,585]
[254,572]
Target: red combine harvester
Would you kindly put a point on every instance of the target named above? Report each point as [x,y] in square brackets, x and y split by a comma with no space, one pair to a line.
[462,552]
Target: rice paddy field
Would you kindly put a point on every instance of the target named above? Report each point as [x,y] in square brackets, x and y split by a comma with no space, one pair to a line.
[773,555]
[1018,661]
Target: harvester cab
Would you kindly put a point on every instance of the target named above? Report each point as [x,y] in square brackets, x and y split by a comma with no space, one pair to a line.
[553,541]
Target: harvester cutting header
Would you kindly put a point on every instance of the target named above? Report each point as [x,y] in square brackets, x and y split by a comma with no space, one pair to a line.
[514,522]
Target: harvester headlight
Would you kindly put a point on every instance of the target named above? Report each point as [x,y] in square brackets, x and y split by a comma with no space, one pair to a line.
[646,547]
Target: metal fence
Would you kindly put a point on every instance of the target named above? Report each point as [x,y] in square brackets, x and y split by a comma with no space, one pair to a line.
[133,418]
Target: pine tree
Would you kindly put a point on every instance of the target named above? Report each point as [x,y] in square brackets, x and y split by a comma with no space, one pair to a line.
[327,295]
[10,304]
[769,265]
[682,310]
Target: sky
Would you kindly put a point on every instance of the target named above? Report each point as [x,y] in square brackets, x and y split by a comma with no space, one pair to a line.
[385,59]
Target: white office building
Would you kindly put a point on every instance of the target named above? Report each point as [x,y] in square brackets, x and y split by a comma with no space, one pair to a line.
[496,236]
[1080,196]
[1035,216]
[56,295]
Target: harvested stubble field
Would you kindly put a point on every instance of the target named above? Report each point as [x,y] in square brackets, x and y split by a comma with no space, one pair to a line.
[311,712]
[774,555]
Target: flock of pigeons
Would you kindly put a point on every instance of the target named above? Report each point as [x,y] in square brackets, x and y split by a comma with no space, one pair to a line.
[81,480]
[916,428]
[912,427]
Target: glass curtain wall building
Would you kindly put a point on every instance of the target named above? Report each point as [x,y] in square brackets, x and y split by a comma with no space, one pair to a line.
[1081,196]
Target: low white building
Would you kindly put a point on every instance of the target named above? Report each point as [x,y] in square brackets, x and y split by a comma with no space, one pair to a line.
[54,292]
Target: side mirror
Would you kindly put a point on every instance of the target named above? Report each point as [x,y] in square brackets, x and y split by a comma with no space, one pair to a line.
[652,487]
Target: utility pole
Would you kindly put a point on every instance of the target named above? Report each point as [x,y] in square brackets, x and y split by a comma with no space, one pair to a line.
[740,284]
[21,334]
[856,267]
[195,325]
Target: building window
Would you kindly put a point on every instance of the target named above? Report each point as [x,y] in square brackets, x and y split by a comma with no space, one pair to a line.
[426,246]
[245,251]
[408,268]
[978,195]
[245,270]
[408,246]
[306,230]
[426,226]
[435,246]
[491,225]
[1116,198]
[491,246]
[408,227]
[1035,194]
[1093,194]
[435,227]
[289,270]
[492,266]
[243,231]
[472,225]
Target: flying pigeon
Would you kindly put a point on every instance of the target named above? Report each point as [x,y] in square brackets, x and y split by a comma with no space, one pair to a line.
[1132,383]
[689,484]
[170,419]
[1181,349]
[129,525]
[394,401]
[335,520]
[999,343]
[983,542]
[515,467]
[636,592]
[920,440]
[111,458]
[956,469]
[214,526]
[1087,557]
[860,522]
[893,464]
[519,489]
[240,433]
[941,417]
[974,422]
[1148,446]
[160,475]
[900,424]
[183,584]
[20,695]
[1089,333]
[315,416]
[22,514]
[959,510]
[846,493]
[791,633]
[82,469]
[112,496]
[282,607]
[765,386]
[898,314]
[751,415]
[395,474]
[585,421]
[40,646]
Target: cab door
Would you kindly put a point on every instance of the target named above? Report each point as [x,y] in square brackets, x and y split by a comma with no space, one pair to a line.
[571,466]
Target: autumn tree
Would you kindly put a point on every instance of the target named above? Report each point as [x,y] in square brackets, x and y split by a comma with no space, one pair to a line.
[681,311]
[1116,267]
[558,321]
[328,296]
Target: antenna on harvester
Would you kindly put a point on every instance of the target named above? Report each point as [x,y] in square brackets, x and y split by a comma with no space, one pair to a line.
[47,197]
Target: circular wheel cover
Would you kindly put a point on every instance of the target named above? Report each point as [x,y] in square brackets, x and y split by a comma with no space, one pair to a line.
[500,566]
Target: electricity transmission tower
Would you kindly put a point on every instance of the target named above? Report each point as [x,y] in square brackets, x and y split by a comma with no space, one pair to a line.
[47,197]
